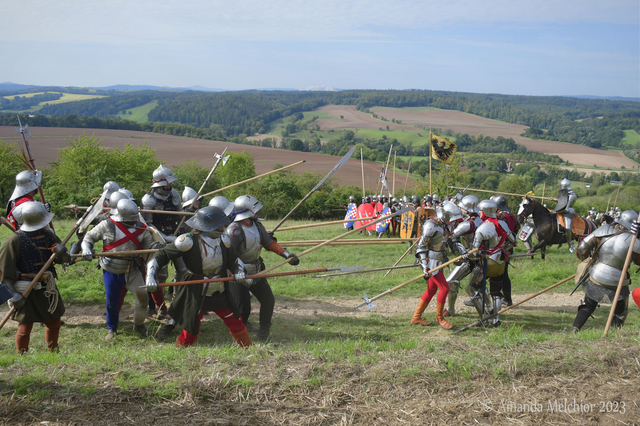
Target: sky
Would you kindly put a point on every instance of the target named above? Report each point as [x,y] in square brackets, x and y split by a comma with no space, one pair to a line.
[519,47]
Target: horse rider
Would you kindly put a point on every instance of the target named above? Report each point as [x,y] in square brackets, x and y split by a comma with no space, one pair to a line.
[600,284]
[592,214]
[566,199]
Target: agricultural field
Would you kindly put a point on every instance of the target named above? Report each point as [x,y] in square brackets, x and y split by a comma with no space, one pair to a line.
[329,364]
[66,97]
[631,137]
[139,114]
[175,150]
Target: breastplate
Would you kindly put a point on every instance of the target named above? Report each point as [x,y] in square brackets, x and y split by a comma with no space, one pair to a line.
[250,251]
[211,254]
[611,257]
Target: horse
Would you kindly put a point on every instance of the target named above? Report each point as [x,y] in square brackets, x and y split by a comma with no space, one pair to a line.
[546,225]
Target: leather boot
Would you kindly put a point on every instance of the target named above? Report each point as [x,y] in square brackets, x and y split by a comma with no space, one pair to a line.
[440,317]
[242,338]
[417,315]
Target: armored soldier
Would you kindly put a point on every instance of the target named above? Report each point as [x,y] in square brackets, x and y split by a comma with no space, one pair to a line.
[246,236]
[121,232]
[430,252]
[21,258]
[593,213]
[27,184]
[205,257]
[223,204]
[609,249]
[395,221]
[461,239]
[436,199]
[190,203]
[504,214]
[493,236]
[566,199]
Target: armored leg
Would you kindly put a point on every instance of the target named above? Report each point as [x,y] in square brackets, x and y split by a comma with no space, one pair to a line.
[585,310]
[569,234]
[476,297]
[497,306]
[620,314]
[454,286]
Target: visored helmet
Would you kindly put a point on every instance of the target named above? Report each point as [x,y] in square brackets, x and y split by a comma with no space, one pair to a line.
[565,183]
[126,211]
[163,176]
[26,181]
[209,219]
[488,207]
[469,203]
[222,203]
[448,211]
[626,218]
[34,216]
[502,202]
[435,198]
[189,196]
[245,206]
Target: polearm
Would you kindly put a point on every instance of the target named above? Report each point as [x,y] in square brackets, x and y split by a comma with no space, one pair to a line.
[313,225]
[74,207]
[259,276]
[362,228]
[394,173]
[213,169]
[248,180]
[504,193]
[364,242]
[364,271]
[341,163]
[42,270]
[362,168]
[625,268]
[386,170]
[22,131]
[401,257]
[487,318]
[367,301]
[404,192]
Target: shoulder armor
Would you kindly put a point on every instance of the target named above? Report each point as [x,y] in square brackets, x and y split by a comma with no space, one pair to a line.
[148,201]
[175,197]
[463,229]
[235,235]
[430,228]
[184,242]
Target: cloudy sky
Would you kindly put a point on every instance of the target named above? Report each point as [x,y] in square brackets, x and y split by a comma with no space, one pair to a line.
[539,47]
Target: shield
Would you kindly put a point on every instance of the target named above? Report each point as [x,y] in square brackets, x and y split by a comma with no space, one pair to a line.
[430,212]
[379,207]
[382,226]
[421,217]
[406,224]
[352,211]
[525,233]
[364,210]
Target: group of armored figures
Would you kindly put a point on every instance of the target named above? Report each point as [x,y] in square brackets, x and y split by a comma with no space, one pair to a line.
[220,239]
[225,239]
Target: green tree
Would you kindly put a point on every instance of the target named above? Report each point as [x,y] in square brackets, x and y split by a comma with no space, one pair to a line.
[10,166]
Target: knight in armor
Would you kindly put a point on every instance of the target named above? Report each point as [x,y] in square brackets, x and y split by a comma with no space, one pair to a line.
[430,250]
[205,257]
[617,213]
[504,214]
[462,234]
[246,236]
[428,201]
[121,232]
[395,221]
[593,213]
[27,184]
[22,257]
[493,237]
[566,199]
[435,199]
[190,203]
[162,197]
[609,249]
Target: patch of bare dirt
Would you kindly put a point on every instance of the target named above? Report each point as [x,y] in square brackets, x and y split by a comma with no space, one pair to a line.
[354,119]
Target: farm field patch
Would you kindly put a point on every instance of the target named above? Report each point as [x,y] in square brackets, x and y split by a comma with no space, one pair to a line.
[139,114]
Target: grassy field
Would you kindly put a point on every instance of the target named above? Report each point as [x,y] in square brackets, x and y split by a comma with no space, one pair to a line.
[66,97]
[329,364]
[139,114]
[630,137]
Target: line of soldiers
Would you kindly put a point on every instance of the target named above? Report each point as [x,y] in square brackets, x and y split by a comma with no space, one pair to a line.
[219,238]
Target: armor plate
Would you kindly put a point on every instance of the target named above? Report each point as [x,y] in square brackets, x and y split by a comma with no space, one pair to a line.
[250,251]
[211,254]
[611,257]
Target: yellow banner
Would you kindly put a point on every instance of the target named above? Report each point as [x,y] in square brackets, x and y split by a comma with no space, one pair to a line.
[442,149]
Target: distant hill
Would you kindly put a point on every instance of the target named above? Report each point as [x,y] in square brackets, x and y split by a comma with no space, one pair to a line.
[611,98]
[14,86]
[129,87]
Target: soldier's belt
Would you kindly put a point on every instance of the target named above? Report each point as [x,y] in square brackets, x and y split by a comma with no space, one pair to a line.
[627,281]
[30,277]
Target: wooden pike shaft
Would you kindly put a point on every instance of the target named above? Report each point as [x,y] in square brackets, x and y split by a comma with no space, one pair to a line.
[503,193]
[42,271]
[119,253]
[342,243]
[625,268]
[254,178]
[74,207]
[257,276]
[404,192]
[362,168]
[473,324]
[335,222]
[615,202]
[394,174]
[401,257]
[334,239]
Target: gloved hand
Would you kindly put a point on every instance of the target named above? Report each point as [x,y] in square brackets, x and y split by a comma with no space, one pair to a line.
[87,254]
[294,259]
[17,301]
[151,283]
[47,207]
[62,254]
[240,277]
[635,227]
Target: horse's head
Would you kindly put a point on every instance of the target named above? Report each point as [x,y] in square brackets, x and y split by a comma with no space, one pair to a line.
[524,209]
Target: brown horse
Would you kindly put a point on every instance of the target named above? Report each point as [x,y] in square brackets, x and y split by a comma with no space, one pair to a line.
[546,224]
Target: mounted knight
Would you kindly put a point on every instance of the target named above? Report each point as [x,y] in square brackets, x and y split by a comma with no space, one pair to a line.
[564,208]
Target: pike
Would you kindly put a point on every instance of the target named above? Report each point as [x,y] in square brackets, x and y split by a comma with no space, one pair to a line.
[43,270]
[399,212]
[30,162]
[365,271]
[251,179]
[487,318]
[334,222]
[341,163]
[261,275]
[367,301]
[398,261]
[220,157]
[503,193]
[74,207]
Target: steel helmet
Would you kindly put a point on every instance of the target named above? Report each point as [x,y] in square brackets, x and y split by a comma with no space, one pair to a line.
[108,189]
[565,183]
[435,198]
[26,181]
[469,203]
[163,176]
[415,199]
[34,216]
[502,202]
[488,207]
[222,203]
[367,199]
[245,206]
[127,193]
[126,211]
[449,212]
[352,199]
[626,218]
[115,198]
[209,219]
[189,196]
